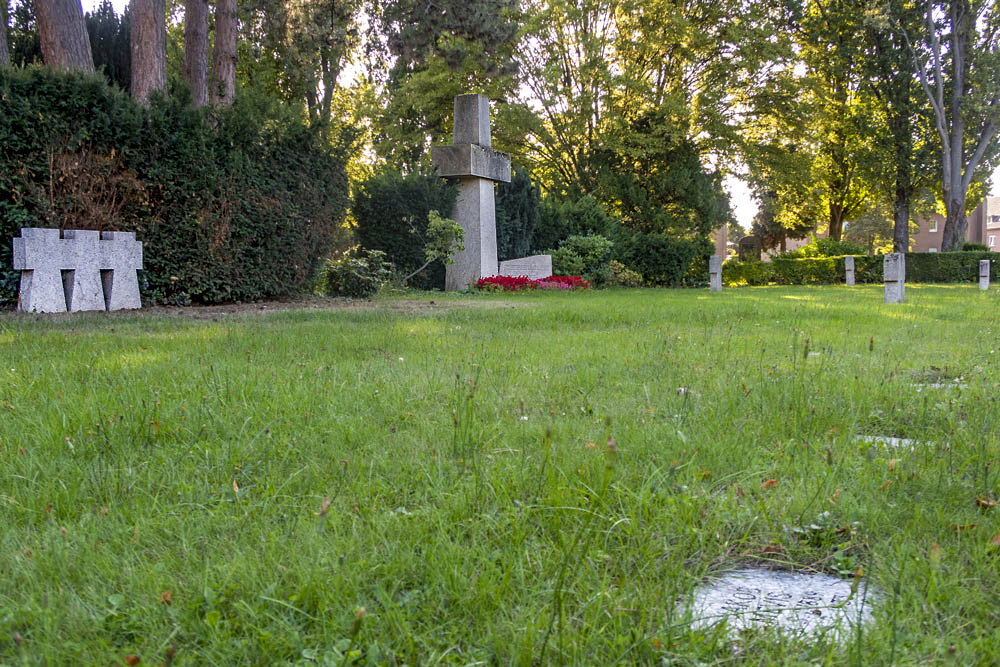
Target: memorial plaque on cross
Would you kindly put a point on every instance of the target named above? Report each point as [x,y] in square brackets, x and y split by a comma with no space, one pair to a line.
[472,160]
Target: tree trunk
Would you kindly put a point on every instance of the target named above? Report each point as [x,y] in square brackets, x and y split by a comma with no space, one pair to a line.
[4,51]
[955,222]
[903,138]
[149,48]
[901,221]
[196,50]
[836,221]
[223,84]
[63,35]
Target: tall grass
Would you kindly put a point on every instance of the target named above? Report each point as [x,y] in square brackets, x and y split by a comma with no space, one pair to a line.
[432,483]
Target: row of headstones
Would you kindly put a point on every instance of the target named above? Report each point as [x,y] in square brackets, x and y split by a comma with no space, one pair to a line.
[893,275]
[81,270]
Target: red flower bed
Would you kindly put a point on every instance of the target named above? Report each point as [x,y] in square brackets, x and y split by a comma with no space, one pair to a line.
[518,283]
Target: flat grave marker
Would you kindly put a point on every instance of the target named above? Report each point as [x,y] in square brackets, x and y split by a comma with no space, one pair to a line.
[796,602]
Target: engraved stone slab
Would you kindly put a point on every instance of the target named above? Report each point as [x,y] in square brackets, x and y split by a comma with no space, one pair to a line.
[888,441]
[796,602]
[984,274]
[715,273]
[535,267]
[849,271]
[894,275]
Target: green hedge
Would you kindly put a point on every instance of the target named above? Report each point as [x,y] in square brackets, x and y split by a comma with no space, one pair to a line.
[921,267]
[235,205]
[662,260]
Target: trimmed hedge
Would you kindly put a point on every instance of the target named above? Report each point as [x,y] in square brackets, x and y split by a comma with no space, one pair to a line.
[237,204]
[662,260]
[921,267]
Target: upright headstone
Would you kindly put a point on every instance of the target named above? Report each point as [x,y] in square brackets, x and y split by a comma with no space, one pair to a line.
[715,273]
[473,161]
[984,274]
[83,270]
[849,271]
[894,275]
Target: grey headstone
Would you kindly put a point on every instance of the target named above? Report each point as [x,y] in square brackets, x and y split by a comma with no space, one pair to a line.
[888,441]
[121,257]
[715,273]
[535,267]
[82,274]
[39,256]
[472,160]
[984,274]
[894,275]
[849,271]
[795,602]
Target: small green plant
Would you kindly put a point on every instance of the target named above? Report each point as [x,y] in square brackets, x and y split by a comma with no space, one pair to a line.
[972,246]
[622,276]
[357,276]
[444,238]
[584,256]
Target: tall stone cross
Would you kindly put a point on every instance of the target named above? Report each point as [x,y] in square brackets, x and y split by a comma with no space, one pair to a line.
[473,161]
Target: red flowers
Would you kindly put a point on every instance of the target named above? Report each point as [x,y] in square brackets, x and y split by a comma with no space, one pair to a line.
[518,283]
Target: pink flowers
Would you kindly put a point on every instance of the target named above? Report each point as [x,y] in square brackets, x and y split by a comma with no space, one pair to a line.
[518,283]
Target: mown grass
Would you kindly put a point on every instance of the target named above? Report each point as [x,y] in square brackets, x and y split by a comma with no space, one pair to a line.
[237,491]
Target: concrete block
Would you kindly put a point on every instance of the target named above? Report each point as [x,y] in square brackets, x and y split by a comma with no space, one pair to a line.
[82,274]
[472,120]
[849,271]
[38,255]
[894,275]
[984,274]
[715,273]
[121,257]
[535,267]
[467,160]
[475,211]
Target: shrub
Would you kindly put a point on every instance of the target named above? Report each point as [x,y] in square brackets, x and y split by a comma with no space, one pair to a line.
[560,218]
[517,210]
[583,255]
[818,247]
[231,205]
[622,276]
[972,246]
[391,212]
[660,259]
[358,275]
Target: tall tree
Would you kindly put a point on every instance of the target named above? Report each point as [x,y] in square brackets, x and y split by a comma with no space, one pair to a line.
[196,50]
[222,86]
[957,57]
[4,51]
[110,43]
[63,35]
[149,48]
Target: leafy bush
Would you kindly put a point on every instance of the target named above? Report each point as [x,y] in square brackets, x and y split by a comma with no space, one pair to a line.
[357,275]
[921,267]
[971,246]
[824,248]
[622,276]
[517,210]
[391,212]
[586,256]
[659,258]
[561,218]
[234,205]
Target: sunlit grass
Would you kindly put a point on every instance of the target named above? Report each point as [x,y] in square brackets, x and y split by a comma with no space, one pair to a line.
[234,491]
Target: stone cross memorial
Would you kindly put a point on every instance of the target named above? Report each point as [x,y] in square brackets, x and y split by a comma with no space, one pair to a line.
[472,160]
[984,274]
[894,275]
[849,271]
[83,270]
[715,273]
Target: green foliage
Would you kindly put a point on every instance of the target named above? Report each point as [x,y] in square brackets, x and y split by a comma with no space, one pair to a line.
[109,43]
[921,267]
[661,259]
[517,210]
[971,246]
[444,239]
[238,206]
[562,217]
[357,275]
[824,247]
[584,256]
[622,276]
[391,212]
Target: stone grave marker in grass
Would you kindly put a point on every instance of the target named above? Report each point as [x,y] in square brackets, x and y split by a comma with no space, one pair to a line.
[894,275]
[984,274]
[889,441]
[849,271]
[715,273]
[795,602]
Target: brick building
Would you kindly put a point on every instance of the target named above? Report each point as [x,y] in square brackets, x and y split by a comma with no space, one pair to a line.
[984,227]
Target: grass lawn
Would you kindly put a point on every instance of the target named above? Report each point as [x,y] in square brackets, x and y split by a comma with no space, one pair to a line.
[430,481]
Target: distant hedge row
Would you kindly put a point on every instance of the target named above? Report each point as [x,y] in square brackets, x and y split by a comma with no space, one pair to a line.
[231,205]
[921,267]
